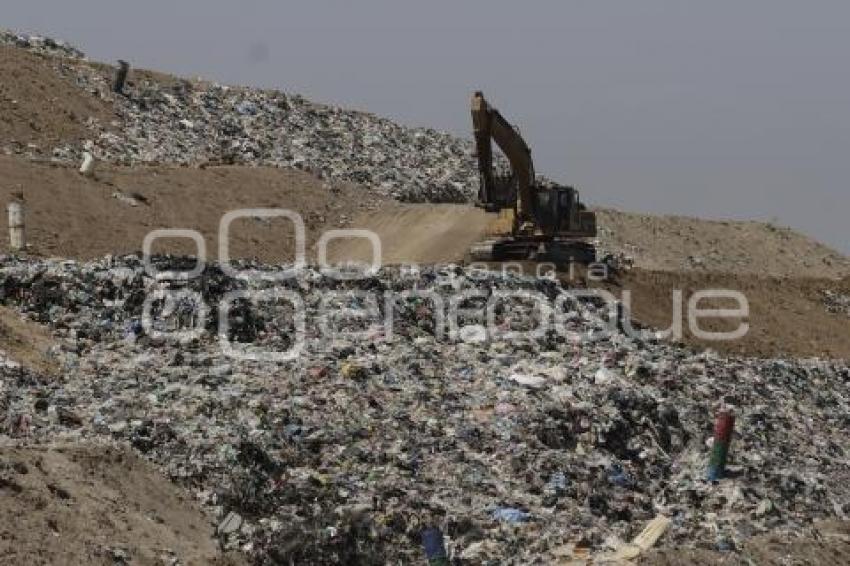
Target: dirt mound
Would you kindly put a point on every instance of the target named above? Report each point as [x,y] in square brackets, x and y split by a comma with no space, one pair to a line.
[38,106]
[96,505]
[69,215]
[680,243]
[26,343]
[788,317]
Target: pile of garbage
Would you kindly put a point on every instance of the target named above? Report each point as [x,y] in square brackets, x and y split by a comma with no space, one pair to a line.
[40,44]
[517,440]
[161,119]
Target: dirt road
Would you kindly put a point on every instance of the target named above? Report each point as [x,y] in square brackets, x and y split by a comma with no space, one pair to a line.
[415,233]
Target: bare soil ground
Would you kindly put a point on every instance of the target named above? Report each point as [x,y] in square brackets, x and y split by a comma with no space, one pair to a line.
[38,106]
[26,343]
[830,547]
[418,233]
[788,317]
[682,243]
[94,505]
[73,216]
[69,215]
[676,244]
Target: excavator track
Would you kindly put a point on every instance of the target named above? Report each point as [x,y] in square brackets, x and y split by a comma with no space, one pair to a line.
[559,252]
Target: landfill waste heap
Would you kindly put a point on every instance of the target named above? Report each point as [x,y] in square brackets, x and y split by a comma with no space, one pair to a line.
[516,448]
[177,121]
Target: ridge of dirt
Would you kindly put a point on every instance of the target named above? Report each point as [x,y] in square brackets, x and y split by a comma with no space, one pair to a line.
[682,243]
[50,110]
[73,216]
[787,316]
[90,504]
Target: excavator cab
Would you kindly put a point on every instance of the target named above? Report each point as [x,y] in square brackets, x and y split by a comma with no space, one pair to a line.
[552,207]
[559,211]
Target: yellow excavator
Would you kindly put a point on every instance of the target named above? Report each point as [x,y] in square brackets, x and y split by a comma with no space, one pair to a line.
[537,220]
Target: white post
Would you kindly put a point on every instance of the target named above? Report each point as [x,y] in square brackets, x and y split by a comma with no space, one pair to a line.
[17,234]
[87,167]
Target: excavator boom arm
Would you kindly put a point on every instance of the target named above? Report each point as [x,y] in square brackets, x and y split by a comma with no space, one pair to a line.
[489,124]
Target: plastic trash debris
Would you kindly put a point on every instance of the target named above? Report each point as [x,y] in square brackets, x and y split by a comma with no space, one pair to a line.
[619,477]
[121,77]
[511,515]
[352,370]
[87,167]
[532,381]
[645,540]
[435,550]
[222,124]
[230,524]
[723,430]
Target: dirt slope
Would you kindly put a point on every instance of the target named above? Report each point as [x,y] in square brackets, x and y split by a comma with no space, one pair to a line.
[38,106]
[681,243]
[69,215]
[93,505]
[26,343]
[788,316]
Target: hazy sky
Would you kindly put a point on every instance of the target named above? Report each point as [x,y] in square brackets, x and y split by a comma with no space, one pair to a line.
[736,109]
